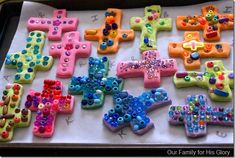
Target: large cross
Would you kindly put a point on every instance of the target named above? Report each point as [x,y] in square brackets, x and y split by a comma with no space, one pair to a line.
[55,26]
[29,60]
[149,25]
[216,79]
[96,85]
[191,50]
[132,111]
[110,33]
[68,51]
[151,67]
[11,116]
[47,104]
[196,114]
[211,22]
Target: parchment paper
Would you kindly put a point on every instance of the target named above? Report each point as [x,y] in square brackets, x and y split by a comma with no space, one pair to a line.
[86,127]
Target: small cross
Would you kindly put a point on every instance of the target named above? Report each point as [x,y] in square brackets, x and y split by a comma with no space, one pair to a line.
[151,67]
[216,79]
[68,51]
[197,114]
[29,60]
[56,25]
[211,22]
[132,111]
[149,25]
[47,104]
[110,33]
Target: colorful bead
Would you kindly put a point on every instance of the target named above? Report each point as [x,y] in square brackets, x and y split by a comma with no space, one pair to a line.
[201,115]
[96,85]
[47,103]
[133,110]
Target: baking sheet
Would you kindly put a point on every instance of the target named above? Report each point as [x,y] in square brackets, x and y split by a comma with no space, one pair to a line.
[85,126]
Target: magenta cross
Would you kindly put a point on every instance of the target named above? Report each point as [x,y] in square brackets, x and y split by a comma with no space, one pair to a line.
[68,50]
[151,67]
[56,25]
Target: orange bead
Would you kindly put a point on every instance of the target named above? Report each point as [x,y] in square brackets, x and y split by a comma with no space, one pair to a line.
[15,97]
[110,19]
[201,122]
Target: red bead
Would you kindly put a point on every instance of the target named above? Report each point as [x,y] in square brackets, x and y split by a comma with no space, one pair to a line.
[5,134]
[150,18]
[184,23]
[219,85]
[48,129]
[221,77]
[16,119]
[210,64]
[69,46]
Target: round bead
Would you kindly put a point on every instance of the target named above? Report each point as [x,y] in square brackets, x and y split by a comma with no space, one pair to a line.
[187,78]
[110,42]
[194,56]
[212,80]
[210,64]
[114,26]
[103,45]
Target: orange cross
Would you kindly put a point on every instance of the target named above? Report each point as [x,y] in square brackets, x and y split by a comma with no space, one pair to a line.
[191,50]
[211,22]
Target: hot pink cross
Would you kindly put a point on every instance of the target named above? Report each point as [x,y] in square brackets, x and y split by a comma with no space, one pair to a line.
[68,50]
[56,25]
[151,67]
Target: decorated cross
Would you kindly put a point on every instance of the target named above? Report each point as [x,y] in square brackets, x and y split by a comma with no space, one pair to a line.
[151,67]
[55,26]
[216,79]
[191,50]
[10,115]
[47,104]
[197,114]
[110,33]
[150,24]
[211,22]
[68,50]
[132,111]
[29,60]
[96,85]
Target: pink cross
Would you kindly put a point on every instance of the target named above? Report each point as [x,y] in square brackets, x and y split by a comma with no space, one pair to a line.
[56,25]
[68,50]
[193,45]
[151,67]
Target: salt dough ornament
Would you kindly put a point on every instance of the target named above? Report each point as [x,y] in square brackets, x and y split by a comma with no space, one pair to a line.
[211,22]
[96,85]
[11,116]
[196,114]
[216,79]
[55,26]
[68,50]
[149,25]
[191,50]
[47,104]
[152,67]
[110,33]
[29,60]
[132,111]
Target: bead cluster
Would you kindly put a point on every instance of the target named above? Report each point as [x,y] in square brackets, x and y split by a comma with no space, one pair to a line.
[10,114]
[47,103]
[196,114]
[110,30]
[151,66]
[96,85]
[29,60]
[129,110]
[216,78]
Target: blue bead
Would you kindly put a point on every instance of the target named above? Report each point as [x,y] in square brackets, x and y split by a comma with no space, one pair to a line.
[194,56]
[27,76]
[104,59]
[127,117]
[110,42]
[218,46]
[123,95]
[30,70]
[84,102]
[23,51]
[142,124]
[108,27]
[90,96]
[135,127]
[118,108]
[114,26]
[105,32]
[146,40]
[103,45]
[221,93]
[90,102]
[120,120]
[8,62]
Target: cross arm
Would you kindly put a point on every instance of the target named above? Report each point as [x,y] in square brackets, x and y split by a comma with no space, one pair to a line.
[93,34]
[137,23]
[164,24]
[126,35]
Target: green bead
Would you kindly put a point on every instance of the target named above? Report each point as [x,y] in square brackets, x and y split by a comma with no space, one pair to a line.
[39,34]
[39,40]
[32,34]
[187,78]
[209,17]
[161,22]
[5,92]
[44,63]
[28,45]
[17,77]
[179,108]
[148,25]
[27,76]
[16,56]
[14,62]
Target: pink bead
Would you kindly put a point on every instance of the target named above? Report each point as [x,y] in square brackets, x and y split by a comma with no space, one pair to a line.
[137,20]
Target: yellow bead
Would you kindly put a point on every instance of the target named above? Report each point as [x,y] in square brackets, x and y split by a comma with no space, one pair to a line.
[113,34]
[40,106]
